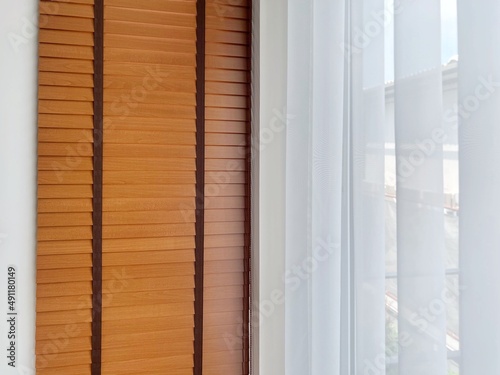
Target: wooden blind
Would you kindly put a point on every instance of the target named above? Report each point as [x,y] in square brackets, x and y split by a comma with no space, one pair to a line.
[150,189]
[149,185]
[65,144]
[227,188]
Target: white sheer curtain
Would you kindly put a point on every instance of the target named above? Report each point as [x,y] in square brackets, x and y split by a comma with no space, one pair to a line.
[334,258]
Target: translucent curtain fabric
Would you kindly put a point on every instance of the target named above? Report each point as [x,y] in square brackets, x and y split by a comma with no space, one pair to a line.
[314,133]
[479,145]
[335,278]
[419,181]
[368,161]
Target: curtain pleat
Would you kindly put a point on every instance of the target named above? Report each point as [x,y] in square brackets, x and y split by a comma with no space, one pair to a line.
[420,217]
[368,162]
[479,136]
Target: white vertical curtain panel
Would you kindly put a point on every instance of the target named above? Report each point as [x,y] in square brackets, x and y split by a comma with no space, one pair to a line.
[335,277]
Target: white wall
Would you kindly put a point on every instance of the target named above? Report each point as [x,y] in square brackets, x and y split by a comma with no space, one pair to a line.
[268,184]
[18,93]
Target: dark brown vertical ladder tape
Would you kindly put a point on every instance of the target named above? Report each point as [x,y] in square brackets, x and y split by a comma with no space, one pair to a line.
[247,302]
[97,188]
[200,186]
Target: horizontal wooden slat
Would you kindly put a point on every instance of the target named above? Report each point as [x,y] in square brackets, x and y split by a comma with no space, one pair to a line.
[152,124]
[66,51]
[66,191]
[150,82]
[65,176]
[155,365]
[82,358]
[118,340]
[64,219]
[65,205]
[65,79]
[224,253]
[223,279]
[227,9]
[137,56]
[50,163]
[63,317]
[225,228]
[152,110]
[150,349]
[227,114]
[222,304]
[64,135]
[222,23]
[46,262]
[147,217]
[219,49]
[149,30]
[65,93]
[155,324]
[145,70]
[80,288]
[149,43]
[161,5]
[224,62]
[147,16]
[62,107]
[227,88]
[67,23]
[62,303]
[66,121]
[228,240]
[221,36]
[64,247]
[66,370]
[64,233]
[148,231]
[224,177]
[152,284]
[66,9]
[144,204]
[148,298]
[47,64]
[213,215]
[66,37]
[149,137]
[64,275]
[148,178]
[215,293]
[65,343]
[229,165]
[226,152]
[132,271]
[218,139]
[148,164]
[149,257]
[148,191]
[231,127]
[156,96]
[154,151]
